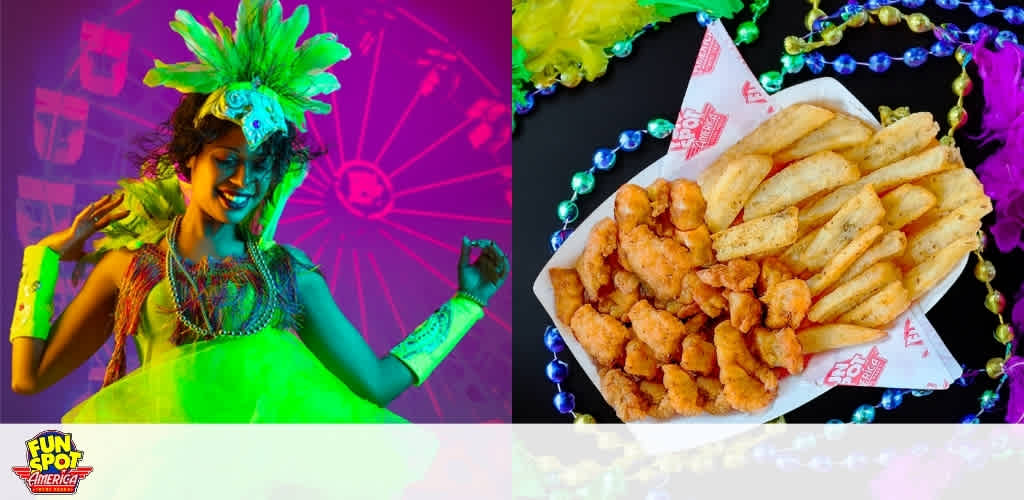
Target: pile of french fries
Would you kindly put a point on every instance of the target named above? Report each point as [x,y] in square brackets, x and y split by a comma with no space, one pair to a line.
[842,227]
[871,220]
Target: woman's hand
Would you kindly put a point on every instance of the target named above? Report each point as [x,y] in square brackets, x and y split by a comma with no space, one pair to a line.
[70,242]
[483,278]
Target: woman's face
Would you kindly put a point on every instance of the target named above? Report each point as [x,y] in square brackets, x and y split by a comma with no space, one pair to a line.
[229,180]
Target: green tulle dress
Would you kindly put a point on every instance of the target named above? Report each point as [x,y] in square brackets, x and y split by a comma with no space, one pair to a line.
[269,376]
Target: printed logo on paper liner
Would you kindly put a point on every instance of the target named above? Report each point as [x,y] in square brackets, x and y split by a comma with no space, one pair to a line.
[910,335]
[858,370]
[707,58]
[697,130]
[753,94]
[54,464]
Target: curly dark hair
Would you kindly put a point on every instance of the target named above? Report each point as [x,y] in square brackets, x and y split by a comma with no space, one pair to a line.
[177,140]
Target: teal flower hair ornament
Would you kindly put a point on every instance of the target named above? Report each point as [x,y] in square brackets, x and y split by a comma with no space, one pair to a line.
[256,77]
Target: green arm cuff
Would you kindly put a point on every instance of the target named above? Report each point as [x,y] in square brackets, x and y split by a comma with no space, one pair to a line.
[34,308]
[435,338]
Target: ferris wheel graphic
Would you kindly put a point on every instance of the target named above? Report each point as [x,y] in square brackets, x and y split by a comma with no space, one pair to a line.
[417,156]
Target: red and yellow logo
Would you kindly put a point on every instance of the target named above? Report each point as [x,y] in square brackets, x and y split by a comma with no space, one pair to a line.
[54,464]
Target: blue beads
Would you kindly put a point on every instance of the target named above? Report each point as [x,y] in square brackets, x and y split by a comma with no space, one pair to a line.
[622,49]
[864,414]
[988,399]
[550,89]
[919,393]
[982,8]
[568,211]
[892,398]
[976,30]
[849,10]
[845,64]
[915,56]
[948,4]
[879,62]
[913,4]
[559,237]
[524,107]
[815,62]
[565,402]
[1005,37]
[820,24]
[1014,15]
[834,421]
[553,340]
[629,140]
[970,419]
[873,4]
[556,371]
[942,49]
[604,159]
[704,19]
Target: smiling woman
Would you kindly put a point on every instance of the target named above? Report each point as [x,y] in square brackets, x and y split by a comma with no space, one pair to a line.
[230,325]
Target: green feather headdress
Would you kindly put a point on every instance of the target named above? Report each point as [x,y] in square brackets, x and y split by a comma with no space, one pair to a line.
[256,78]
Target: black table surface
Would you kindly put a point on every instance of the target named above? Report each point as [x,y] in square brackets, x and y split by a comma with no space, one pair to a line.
[560,135]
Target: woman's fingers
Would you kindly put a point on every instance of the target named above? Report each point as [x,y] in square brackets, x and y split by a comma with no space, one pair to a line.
[104,221]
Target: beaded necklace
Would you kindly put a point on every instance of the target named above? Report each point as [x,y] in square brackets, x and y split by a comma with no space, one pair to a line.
[266,312]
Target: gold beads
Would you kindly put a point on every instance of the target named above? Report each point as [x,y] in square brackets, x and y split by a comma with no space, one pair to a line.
[995,302]
[832,35]
[889,15]
[794,45]
[812,16]
[857,20]
[889,116]
[957,116]
[985,271]
[919,23]
[962,84]
[571,77]
[583,418]
[994,367]
[961,55]
[1004,334]
[947,140]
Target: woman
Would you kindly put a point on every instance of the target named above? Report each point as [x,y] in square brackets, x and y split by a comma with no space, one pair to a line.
[212,302]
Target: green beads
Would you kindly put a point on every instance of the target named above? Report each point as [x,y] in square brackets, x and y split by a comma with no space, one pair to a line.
[988,399]
[583,182]
[1003,334]
[792,63]
[747,32]
[985,271]
[568,211]
[622,49]
[995,301]
[771,81]
[660,128]
[994,368]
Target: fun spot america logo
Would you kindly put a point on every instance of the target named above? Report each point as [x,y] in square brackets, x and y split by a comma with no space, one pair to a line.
[54,464]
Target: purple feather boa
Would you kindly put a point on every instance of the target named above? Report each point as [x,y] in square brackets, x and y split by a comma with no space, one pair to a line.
[1002,174]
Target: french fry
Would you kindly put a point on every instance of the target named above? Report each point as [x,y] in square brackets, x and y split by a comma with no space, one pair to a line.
[952,188]
[827,337]
[755,236]
[925,163]
[842,260]
[792,257]
[850,293]
[840,132]
[738,182]
[890,245]
[895,142]
[799,181]
[905,204]
[927,274]
[779,131]
[879,309]
[857,215]
[962,222]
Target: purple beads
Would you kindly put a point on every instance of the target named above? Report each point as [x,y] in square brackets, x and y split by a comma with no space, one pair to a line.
[559,237]
[1014,15]
[525,106]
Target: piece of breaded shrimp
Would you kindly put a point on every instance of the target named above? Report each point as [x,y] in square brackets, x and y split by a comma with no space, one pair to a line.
[660,263]
[713,394]
[640,360]
[568,292]
[698,355]
[709,299]
[744,310]
[660,330]
[682,391]
[624,395]
[632,207]
[738,275]
[687,205]
[661,407]
[779,348]
[698,242]
[592,266]
[602,336]
[772,271]
[788,302]
[749,384]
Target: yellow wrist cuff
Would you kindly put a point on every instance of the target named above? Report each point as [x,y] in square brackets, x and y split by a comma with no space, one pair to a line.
[424,349]
[33,311]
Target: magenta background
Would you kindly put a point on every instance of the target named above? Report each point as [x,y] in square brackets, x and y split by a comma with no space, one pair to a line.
[441,73]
